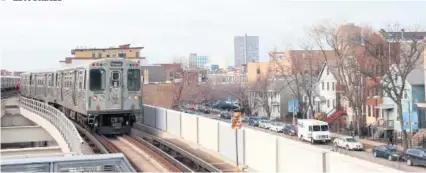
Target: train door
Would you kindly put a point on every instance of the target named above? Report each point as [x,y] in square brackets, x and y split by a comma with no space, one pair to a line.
[74,87]
[115,89]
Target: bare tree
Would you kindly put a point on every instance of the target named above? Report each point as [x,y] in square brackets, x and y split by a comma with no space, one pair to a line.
[239,90]
[300,73]
[395,55]
[261,93]
[364,56]
[184,85]
[347,62]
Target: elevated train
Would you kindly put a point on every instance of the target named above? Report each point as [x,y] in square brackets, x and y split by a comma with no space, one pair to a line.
[9,83]
[103,95]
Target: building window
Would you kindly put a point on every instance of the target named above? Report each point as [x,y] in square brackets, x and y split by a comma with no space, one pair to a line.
[99,55]
[93,54]
[122,54]
[323,86]
[332,86]
[328,103]
[328,86]
[376,112]
[369,110]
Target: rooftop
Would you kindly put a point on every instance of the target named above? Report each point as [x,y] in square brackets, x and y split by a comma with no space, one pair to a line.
[416,77]
[125,46]
[407,35]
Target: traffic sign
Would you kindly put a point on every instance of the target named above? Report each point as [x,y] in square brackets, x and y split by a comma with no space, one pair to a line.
[236,120]
[293,106]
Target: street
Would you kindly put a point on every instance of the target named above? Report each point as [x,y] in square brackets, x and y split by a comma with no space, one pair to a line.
[365,155]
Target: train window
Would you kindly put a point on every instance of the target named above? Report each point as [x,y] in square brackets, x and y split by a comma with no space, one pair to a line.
[97,79]
[115,82]
[57,81]
[84,81]
[115,76]
[133,79]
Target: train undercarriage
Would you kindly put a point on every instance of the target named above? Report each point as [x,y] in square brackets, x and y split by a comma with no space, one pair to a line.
[102,123]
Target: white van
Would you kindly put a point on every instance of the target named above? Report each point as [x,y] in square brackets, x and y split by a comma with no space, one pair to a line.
[313,130]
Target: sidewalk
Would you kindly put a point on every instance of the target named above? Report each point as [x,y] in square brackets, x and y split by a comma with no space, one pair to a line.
[366,141]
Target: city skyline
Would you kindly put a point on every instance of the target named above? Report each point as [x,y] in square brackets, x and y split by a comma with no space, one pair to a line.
[41,39]
[246,49]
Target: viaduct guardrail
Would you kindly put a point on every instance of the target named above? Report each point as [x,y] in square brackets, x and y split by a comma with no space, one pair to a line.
[55,117]
[84,163]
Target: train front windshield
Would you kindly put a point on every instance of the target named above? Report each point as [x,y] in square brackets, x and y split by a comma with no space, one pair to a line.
[97,79]
[133,79]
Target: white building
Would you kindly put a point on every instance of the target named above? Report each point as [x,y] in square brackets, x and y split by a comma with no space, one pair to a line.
[325,100]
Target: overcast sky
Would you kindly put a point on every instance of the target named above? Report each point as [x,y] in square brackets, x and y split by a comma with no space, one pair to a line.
[36,35]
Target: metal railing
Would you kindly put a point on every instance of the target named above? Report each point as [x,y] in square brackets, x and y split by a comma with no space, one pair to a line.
[57,119]
[84,163]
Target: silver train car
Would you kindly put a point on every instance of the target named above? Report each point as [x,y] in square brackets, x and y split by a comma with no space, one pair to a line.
[9,83]
[103,96]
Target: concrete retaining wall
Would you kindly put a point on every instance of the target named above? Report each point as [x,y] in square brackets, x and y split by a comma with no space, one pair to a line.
[208,133]
[189,125]
[161,119]
[292,153]
[227,146]
[149,115]
[260,151]
[173,123]
[337,162]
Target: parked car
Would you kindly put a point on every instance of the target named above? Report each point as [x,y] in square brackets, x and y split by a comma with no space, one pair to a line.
[276,126]
[389,152]
[264,123]
[225,115]
[204,110]
[190,112]
[244,119]
[290,129]
[415,156]
[254,121]
[348,142]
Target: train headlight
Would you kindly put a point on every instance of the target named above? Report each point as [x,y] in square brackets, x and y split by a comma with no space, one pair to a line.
[135,97]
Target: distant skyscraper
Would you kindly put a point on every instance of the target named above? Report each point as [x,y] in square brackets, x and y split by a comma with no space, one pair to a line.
[197,62]
[246,49]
